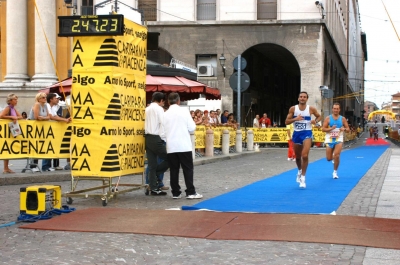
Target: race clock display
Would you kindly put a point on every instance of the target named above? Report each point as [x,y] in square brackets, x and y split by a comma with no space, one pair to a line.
[110,25]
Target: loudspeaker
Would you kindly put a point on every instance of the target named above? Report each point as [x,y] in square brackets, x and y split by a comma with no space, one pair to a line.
[246,99]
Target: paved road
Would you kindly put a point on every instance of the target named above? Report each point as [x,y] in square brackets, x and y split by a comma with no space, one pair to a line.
[373,196]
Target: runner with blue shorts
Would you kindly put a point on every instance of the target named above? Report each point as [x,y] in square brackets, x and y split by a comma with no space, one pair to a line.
[300,116]
[334,126]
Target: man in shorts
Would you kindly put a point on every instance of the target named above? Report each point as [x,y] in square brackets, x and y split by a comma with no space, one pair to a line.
[300,116]
[334,126]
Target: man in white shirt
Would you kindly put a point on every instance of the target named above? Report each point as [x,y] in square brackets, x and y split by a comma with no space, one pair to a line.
[55,114]
[177,125]
[155,142]
[213,120]
[256,121]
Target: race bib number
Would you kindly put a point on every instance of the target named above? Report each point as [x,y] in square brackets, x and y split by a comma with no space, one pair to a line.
[334,134]
[300,126]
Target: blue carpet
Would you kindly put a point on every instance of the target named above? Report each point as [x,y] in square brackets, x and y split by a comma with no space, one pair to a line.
[281,193]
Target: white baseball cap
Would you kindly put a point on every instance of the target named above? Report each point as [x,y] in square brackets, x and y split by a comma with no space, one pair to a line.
[57,95]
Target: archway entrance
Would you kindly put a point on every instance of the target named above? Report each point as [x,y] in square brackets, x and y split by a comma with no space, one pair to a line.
[274,83]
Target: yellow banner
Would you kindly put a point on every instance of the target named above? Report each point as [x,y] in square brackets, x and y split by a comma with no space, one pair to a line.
[270,135]
[109,99]
[118,150]
[200,136]
[318,135]
[38,139]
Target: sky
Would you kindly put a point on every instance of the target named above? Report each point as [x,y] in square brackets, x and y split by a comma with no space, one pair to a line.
[382,70]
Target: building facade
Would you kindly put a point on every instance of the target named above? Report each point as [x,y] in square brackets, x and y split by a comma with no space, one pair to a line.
[368,108]
[289,46]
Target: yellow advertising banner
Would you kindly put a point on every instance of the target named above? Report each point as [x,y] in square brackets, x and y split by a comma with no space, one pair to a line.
[271,135]
[108,99]
[318,135]
[108,149]
[200,136]
[38,139]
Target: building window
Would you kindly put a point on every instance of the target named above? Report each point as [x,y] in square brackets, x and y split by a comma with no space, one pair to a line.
[149,8]
[87,7]
[206,10]
[266,9]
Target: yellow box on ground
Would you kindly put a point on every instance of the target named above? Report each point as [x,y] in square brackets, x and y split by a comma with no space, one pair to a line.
[36,200]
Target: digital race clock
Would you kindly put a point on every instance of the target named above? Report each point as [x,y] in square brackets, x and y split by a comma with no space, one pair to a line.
[91,25]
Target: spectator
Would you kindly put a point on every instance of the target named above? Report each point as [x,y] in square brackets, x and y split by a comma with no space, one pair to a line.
[218,116]
[39,112]
[206,118]
[178,125]
[263,125]
[256,121]
[213,120]
[9,112]
[231,121]
[155,141]
[55,114]
[291,154]
[24,115]
[198,119]
[192,114]
[224,117]
[267,120]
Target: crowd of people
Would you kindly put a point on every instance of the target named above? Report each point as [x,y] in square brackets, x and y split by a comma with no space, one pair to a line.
[45,108]
[214,118]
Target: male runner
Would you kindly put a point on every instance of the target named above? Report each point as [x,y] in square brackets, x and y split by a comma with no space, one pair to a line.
[334,126]
[300,115]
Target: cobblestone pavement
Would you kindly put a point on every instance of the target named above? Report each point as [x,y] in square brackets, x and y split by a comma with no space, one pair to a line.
[25,246]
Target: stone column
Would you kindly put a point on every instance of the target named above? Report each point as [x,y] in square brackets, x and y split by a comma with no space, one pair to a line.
[45,71]
[17,41]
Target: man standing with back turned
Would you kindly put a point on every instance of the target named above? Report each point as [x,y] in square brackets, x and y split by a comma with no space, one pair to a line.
[178,124]
[300,116]
[155,144]
[334,126]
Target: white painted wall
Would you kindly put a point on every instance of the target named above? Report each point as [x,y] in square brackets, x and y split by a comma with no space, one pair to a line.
[203,104]
[177,10]
[122,9]
[237,10]
[295,9]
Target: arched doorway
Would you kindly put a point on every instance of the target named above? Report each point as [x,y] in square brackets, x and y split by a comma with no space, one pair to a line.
[274,83]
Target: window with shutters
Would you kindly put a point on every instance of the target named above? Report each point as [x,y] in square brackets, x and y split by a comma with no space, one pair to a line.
[149,8]
[87,7]
[266,9]
[206,10]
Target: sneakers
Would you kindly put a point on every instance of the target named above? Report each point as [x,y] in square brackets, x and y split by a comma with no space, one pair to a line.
[289,159]
[49,169]
[177,196]
[298,176]
[157,192]
[302,182]
[35,169]
[58,168]
[335,176]
[164,188]
[194,196]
